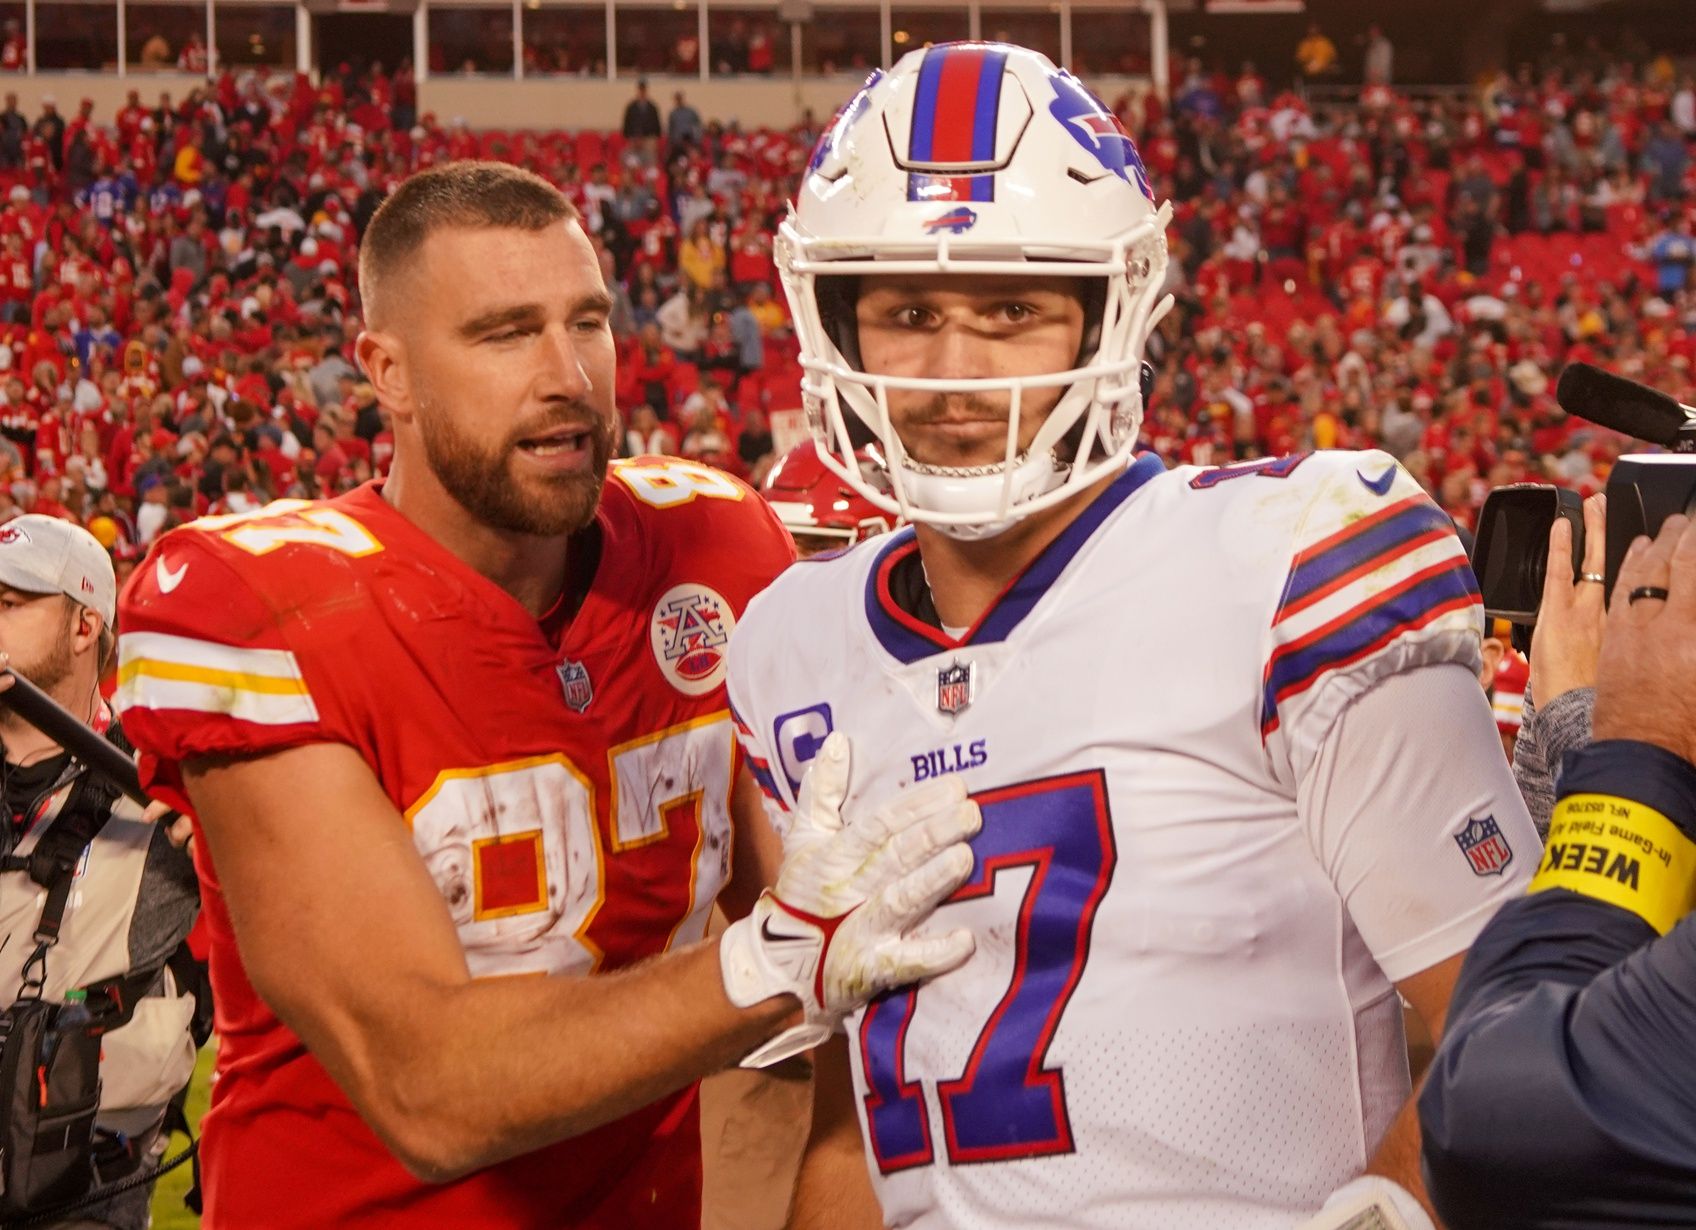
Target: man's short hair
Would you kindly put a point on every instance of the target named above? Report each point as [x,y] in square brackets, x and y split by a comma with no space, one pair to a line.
[456,194]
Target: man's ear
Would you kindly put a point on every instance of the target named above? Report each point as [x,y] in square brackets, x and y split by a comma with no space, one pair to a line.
[1494,651]
[89,624]
[382,357]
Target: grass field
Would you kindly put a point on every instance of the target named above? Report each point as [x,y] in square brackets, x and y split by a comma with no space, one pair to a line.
[169,1213]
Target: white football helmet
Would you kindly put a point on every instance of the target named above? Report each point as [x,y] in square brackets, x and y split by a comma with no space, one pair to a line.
[976,158]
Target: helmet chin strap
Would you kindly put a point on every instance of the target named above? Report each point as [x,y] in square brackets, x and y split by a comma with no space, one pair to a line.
[972,491]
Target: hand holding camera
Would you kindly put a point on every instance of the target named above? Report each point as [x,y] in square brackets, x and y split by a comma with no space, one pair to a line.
[1569,620]
[1647,668]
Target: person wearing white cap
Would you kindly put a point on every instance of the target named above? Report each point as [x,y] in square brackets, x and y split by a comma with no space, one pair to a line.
[136,896]
[50,644]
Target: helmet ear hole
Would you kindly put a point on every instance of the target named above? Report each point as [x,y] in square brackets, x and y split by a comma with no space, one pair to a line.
[860,434]
[1092,292]
[837,296]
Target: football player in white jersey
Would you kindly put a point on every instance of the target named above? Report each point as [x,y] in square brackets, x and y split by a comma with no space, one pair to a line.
[1239,786]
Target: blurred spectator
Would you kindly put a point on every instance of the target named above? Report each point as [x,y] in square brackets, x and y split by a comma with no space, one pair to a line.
[649,368]
[749,336]
[1665,159]
[683,126]
[1673,251]
[683,323]
[1684,107]
[642,123]
[754,444]
[192,57]
[646,434]
[708,438]
[14,50]
[14,129]
[701,256]
[1380,57]
[156,52]
[49,129]
[1316,56]
[767,312]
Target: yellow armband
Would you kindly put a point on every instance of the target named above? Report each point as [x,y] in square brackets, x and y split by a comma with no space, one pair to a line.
[1623,853]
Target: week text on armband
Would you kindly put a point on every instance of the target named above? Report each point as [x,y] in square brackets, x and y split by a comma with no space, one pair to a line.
[1623,853]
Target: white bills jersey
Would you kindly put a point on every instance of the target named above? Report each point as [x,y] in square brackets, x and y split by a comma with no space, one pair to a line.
[1189,911]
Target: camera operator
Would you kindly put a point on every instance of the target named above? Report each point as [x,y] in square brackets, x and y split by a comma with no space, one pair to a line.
[134,895]
[1563,662]
[1564,1092]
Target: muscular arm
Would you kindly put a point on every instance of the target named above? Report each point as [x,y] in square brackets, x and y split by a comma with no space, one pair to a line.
[1397,1157]
[834,1191]
[756,852]
[1384,826]
[452,1073]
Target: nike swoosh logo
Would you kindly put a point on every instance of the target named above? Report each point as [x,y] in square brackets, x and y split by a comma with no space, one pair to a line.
[1379,485]
[778,937]
[167,579]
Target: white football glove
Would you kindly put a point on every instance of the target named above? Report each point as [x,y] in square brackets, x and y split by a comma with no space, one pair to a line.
[1371,1202]
[833,933]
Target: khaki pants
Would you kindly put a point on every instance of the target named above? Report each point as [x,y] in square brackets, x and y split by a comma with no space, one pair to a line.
[754,1128]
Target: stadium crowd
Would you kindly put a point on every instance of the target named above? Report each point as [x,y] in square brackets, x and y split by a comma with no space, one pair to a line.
[178,299]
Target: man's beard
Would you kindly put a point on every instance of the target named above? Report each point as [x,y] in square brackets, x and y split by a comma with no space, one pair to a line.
[54,664]
[482,481]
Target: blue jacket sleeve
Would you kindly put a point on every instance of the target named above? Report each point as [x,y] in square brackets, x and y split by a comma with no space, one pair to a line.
[1564,1092]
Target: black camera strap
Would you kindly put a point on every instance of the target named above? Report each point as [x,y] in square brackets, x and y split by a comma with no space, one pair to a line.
[52,863]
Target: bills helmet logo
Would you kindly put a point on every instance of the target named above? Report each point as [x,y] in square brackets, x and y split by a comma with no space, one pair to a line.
[954,687]
[1098,130]
[690,631]
[958,221]
[844,119]
[1484,846]
[574,681]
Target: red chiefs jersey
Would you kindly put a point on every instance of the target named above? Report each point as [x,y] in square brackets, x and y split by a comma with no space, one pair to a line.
[571,802]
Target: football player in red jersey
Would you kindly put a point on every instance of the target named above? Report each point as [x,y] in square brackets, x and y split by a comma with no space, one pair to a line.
[470,722]
[820,511]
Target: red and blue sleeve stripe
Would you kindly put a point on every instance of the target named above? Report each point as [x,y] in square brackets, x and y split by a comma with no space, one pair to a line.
[1356,550]
[955,110]
[757,765]
[1417,601]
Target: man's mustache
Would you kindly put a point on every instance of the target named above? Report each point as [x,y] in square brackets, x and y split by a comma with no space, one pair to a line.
[945,406]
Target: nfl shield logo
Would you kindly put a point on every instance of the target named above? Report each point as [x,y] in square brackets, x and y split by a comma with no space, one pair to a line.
[574,678]
[1484,846]
[954,687]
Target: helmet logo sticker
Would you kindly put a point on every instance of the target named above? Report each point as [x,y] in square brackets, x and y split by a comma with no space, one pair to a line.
[837,130]
[957,221]
[1098,130]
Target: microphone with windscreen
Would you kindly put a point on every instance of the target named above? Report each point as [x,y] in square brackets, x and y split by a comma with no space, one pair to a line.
[1626,406]
[1510,549]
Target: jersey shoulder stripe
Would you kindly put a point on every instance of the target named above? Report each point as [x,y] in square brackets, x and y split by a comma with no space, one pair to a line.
[161,671]
[1335,562]
[758,765]
[1376,581]
[1417,601]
